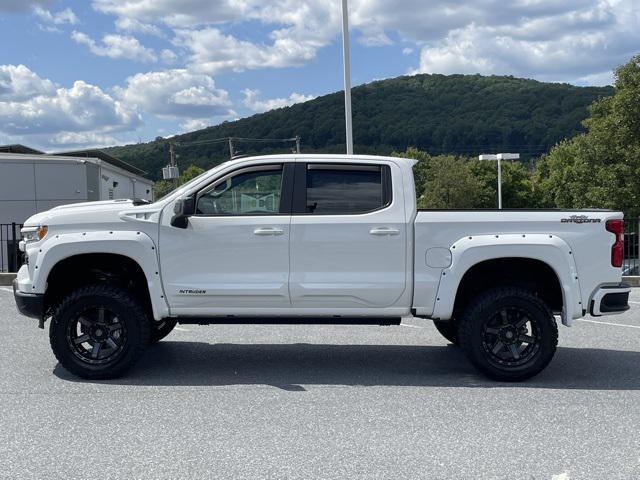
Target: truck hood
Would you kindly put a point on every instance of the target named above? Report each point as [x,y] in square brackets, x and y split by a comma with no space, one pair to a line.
[84,213]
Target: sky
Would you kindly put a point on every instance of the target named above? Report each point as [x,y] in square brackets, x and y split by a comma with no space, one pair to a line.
[89,73]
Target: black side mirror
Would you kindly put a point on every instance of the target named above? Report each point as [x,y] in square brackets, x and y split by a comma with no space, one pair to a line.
[183,209]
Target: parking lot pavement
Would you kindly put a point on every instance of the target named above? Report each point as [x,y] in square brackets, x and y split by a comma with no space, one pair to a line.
[322,402]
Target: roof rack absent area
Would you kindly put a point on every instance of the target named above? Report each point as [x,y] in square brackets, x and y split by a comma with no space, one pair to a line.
[17,148]
[105,157]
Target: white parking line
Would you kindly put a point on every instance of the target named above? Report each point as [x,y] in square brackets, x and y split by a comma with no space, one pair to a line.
[635,303]
[608,323]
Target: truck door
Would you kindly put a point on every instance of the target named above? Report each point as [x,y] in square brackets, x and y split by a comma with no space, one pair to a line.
[348,236]
[234,254]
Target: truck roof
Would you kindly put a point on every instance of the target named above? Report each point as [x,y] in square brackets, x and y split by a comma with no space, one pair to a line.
[339,157]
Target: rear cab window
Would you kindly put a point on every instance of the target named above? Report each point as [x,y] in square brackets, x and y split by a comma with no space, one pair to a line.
[345,189]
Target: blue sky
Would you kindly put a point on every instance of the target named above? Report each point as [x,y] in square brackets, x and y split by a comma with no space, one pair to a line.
[103,72]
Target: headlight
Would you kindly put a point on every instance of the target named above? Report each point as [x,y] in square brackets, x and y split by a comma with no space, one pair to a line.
[33,234]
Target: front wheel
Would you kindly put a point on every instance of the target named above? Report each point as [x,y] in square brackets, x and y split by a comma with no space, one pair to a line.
[99,331]
[508,334]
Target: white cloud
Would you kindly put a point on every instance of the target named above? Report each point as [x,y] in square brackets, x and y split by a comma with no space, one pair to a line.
[116,46]
[127,24]
[253,101]
[561,54]
[80,139]
[195,124]
[176,14]
[59,18]
[18,83]
[407,51]
[39,108]
[176,93]
[168,56]
[239,55]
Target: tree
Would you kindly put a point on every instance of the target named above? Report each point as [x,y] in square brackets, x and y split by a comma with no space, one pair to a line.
[444,181]
[600,168]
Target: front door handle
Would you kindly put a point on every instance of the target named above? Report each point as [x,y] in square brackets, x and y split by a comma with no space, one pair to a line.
[384,231]
[268,231]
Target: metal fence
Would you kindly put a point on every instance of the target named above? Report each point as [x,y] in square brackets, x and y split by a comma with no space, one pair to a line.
[631,264]
[10,254]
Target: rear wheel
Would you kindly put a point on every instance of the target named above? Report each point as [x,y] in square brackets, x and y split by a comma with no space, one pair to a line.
[161,329]
[99,331]
[448,330]
[509,334]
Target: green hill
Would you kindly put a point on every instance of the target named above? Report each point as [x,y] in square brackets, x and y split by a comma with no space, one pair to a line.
[461,114]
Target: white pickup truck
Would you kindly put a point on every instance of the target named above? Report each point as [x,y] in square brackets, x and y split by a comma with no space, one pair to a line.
[314,239]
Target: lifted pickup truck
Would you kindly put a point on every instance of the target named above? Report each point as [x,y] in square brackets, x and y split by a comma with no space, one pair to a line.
[314,239]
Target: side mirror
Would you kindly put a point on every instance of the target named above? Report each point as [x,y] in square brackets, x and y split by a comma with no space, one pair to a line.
[183,209]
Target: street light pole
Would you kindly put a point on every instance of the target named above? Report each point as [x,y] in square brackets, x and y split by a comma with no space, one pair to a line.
[499,157]
[499,182]
[347,76]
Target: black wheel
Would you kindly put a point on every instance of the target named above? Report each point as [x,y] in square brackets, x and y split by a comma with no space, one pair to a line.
[509,334]
[161,329]
[448,330]
[99,331]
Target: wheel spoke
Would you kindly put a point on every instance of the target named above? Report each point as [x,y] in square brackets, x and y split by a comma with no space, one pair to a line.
[526,338]
[522,321]
[81,339]
[492,331]
[111,343]
[497,347]
[85,321]
[503,314]
[101,315]
[114,327]
[514,351]
[96,349]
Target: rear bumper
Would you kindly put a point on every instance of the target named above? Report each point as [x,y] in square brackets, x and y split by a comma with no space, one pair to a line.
[29,304]
[610,300]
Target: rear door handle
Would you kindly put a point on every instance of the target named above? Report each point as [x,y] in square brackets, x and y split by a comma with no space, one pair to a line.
[384,231]
[268,231]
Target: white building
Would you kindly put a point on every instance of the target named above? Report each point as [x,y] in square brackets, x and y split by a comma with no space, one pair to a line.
[32,181]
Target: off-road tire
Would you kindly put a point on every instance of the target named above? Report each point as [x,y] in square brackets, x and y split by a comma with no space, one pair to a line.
[476,325]
[125,310]
[161,329]
[448,330]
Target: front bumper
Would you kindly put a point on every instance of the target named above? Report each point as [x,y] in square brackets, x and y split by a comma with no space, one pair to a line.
[29,304]
[610,300]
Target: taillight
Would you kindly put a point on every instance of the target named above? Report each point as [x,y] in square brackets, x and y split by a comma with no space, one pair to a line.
[616,227]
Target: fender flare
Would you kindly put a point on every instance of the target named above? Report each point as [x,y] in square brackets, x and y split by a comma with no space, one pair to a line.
[136,246]
[547,248]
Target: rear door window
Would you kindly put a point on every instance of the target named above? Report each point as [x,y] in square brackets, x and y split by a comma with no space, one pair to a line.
[338,189]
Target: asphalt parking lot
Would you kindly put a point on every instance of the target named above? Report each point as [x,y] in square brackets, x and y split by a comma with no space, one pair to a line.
[322,402]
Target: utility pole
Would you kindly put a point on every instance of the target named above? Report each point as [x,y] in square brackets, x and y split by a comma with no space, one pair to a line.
[231,152]
[298,144]
[172,163]
[347,76]
[499,157]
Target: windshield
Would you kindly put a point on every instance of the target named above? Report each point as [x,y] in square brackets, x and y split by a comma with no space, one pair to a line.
[183,188]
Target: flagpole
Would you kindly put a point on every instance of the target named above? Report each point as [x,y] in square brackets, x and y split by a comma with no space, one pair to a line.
[347,76]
